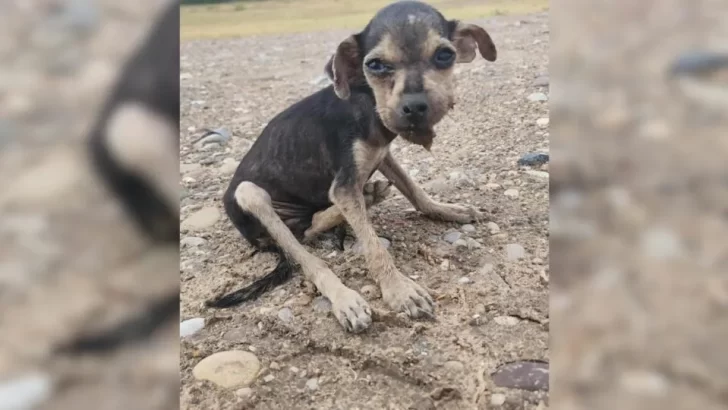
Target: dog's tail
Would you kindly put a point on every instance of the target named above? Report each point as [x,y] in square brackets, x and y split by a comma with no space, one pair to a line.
[281,274]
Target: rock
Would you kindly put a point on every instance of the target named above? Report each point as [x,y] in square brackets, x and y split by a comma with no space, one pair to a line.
[438,186]
[191,326]
[538,175]
[497,399]
[542,122]
[514,252]
[312,384]
[486,269]
[468,228]
[321,304]
[492,186]
[473,244]
[525,375]
[452,237]
[214,136]
[300,300]
[269,378]
[493,228]
[192,242]
[454,366]
[460,243]
[185,76]
[244,393]
[358,248]
[285,314]
[661,243]
[274,366]
[533,159]
[26,392]
[229,369]
[465,280]
[81,16]
[511,193]
[534,97]
[506,320]
[541,81]
[228,166]
[698,63]
[202,219]
[370,292]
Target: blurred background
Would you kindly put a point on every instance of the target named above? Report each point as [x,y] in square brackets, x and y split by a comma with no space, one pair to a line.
[70,262]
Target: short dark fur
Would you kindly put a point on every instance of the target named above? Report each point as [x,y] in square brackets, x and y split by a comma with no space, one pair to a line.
[151,77]
[309,146]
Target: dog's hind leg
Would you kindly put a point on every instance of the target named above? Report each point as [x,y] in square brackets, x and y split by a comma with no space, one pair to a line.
[351,310]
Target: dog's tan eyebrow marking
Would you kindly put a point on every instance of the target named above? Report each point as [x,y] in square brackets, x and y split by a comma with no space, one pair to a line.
[386,50]
[433,41]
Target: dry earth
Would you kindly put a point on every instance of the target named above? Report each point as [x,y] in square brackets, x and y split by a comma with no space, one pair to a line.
[492,308]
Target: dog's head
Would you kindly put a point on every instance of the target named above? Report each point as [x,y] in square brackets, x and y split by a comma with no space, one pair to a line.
[406,56]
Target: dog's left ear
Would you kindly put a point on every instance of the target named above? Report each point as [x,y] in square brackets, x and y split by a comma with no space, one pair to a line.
[465,37]
[345,67]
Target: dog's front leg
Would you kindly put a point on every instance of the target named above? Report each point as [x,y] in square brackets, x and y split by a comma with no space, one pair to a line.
[399,292]
[419,198]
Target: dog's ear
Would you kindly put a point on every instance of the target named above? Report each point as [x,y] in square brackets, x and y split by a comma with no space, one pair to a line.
[466,37]
[345,67]
[329,68]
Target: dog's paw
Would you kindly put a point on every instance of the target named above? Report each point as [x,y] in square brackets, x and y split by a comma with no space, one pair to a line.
[455,213]
[376,192]
[351,310]
[404,295]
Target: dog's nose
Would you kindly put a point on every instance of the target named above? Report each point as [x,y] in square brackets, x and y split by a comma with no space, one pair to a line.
[414,106]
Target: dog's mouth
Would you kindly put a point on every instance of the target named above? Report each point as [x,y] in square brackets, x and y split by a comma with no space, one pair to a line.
[419,135]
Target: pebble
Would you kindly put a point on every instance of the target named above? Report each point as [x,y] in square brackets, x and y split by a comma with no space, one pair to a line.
[274,366]
[358,248]
[541,81]
[229,166]
[460,243]
[525,375]
[468,228]
[244,393]
[321,304]
[465,280]
[438,186]
[452,237]
[202,219]
[511,193]
[486,269]
[191,326]
[26,392]
[493,228]
[454,366]
[533,159]
[661,244]
[370,292]
[538,97]
[301,300]
[506,320]
[312,384]
[515,252]
[497,399]
[192,242]
[229,369]
[269,378]
[473,244]
[285,314]
[216,136]
[542,122]
[540,175]
[185,76]
[492,186]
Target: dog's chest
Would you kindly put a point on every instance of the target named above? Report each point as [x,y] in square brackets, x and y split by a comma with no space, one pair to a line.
[367,158]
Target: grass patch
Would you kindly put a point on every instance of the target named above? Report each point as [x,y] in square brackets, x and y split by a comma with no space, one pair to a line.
[248,18]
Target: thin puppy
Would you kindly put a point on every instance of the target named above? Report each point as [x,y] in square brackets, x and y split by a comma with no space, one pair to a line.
[134,147]
[309,168]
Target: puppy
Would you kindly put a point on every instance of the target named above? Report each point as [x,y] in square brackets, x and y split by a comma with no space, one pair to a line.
[134,148]
[308,170]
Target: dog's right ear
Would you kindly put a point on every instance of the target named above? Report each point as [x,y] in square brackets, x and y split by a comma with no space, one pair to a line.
[345,67]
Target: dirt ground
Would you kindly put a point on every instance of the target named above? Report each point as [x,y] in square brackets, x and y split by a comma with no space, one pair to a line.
[491,309]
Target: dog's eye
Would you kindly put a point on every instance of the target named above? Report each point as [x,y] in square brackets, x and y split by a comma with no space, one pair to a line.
[444,58]
[376,66]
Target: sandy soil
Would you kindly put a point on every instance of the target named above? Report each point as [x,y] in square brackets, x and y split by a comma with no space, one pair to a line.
[498,315]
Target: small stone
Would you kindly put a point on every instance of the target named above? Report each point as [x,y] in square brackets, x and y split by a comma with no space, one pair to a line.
[541,81]
[465,280]
[473,244]
[497,399]
[192,242]
[312,384]
[452,237]
[525,375]
[534,97]
[493,228]
[445,265]
[542,122]
[191,326]
[468,228]
[228,167]
[460,243]
[538,175]
[244,393]
[321,304]
[230,369]
[511,193]
[661,244]
[25,392]
[293,369]
[454,366]
[202,219]
[515,252]
[438,186]
[301,300]
[486,269]
[185,76]
[274,366]
[533,159]
[506,320]
[492,186]
[285,314]
[370,292]
[269,378]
